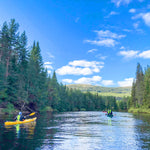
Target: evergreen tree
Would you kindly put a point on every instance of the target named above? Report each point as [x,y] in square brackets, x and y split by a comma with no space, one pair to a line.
[139,84]
[133,95]
[23,55]
[146,100]
[36,76]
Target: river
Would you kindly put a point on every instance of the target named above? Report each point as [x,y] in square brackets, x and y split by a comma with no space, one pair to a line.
[78,131]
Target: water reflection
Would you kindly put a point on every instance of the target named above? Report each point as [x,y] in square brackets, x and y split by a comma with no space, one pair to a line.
[17,130]
[28,127]
[109,121]
[93,130]
[79,130]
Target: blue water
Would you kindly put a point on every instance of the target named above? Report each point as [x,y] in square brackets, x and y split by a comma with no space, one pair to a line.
[78,131]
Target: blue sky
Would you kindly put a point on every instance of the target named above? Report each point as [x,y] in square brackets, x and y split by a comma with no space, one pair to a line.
[96,42]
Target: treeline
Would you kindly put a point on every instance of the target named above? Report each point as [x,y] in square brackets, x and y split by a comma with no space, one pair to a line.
[25,83]
[140,94]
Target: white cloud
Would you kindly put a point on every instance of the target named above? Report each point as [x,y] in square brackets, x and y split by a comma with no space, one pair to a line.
[136,25]
[107,82]
[67,80]
[122,47]
[49,71]
[145,54]
[126,82]
[48,66]
[103,42]
[81,67]
[132,10]
[135,54]
[50,55]
[119,2]
[101,57]
[84,63]
[144,16]
[108,34]
[85,80]
[47,63]
[113,13]
[105,38]
[71,70]
[129,54]
[127,30]
[92,50]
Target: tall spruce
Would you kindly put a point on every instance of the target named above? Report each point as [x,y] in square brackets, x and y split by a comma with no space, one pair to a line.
[147,88]
[23,55]
[35,75]
[133,100]
[139,84]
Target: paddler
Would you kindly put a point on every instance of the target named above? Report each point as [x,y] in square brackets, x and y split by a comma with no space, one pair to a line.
[20,117]
[110,111]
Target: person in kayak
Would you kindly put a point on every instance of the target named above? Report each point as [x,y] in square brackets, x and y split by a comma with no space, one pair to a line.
[109,112]
[20,117]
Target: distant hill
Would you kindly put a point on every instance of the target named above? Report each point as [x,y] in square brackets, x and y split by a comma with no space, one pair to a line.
[105,91]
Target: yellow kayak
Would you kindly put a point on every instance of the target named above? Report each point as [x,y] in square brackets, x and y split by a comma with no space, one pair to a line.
[19,122]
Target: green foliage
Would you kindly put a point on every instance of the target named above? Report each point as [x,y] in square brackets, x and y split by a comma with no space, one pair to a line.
[9,109]
[140,95]
[139,110]
[23,79]
[47,108]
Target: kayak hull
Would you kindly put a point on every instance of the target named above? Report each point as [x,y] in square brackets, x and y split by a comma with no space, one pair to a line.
[19,122]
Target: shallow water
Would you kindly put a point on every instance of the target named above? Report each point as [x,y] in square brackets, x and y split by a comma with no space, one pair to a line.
[78,131]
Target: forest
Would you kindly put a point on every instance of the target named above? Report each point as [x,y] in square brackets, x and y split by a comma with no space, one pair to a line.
[26,85]
[140,93]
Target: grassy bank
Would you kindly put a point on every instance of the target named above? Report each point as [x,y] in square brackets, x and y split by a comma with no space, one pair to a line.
[139,110]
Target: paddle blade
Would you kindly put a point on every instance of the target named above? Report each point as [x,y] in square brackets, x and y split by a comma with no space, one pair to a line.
[32,114]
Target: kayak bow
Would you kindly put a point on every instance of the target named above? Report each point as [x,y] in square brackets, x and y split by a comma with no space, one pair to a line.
[19,122]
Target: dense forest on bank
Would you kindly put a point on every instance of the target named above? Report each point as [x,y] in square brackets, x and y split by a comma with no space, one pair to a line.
[26,85]
[140,93]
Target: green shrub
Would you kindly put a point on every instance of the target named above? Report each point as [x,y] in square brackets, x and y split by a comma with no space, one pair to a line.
[9,109]
[47,108]
[75,109]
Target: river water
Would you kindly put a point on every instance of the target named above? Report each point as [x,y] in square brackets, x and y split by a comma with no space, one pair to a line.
[78,131]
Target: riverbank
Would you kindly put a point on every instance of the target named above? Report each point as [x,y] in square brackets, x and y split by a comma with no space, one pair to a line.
[10,111]
[139,110]
[14,111]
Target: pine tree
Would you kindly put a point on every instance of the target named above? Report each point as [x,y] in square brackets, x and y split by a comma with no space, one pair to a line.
[36,75]
[54,91]
[133,95]
[23,55]
[146,100]
[139,88]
